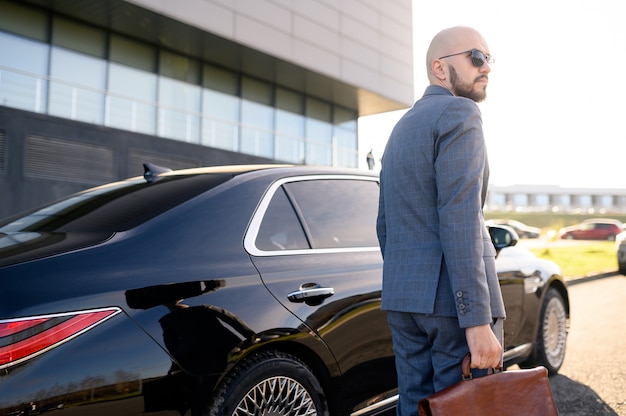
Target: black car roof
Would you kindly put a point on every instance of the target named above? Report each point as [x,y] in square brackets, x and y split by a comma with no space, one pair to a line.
[94,215]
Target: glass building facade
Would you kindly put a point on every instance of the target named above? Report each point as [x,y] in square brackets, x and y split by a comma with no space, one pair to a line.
[57,66]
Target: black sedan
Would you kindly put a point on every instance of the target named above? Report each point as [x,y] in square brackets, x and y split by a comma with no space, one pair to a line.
[242,290]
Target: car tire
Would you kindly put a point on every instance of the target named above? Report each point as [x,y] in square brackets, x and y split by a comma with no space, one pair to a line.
[269,382]
[549,348]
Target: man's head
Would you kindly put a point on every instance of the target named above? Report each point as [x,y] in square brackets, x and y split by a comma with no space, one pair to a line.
[458,59]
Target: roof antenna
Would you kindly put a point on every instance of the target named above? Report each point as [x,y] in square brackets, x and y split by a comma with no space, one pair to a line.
[150,171]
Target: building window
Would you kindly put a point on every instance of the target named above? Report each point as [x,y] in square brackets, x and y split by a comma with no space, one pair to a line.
[81,38]
[131,103]
[132,86]
[179,100]
[346,145]
[77,88]
[257,118]
[131,53]
[220,121]
[289,126]
[319,131]
[22,76]
[220,108]
[24,21]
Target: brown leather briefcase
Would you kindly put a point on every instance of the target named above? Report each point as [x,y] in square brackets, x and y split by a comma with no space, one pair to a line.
[510,393]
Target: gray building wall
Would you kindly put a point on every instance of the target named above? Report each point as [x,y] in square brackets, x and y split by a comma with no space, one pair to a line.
[366,44]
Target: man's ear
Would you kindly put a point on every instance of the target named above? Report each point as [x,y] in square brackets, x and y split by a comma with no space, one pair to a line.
[438,69]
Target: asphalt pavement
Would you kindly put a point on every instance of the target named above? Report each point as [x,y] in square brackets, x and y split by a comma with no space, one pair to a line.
[592,380]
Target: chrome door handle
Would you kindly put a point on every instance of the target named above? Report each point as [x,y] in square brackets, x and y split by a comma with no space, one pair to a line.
[310,292]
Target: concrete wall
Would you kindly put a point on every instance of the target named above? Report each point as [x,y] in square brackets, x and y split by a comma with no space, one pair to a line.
[364,43]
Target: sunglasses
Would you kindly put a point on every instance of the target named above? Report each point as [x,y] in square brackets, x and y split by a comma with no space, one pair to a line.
[478,58]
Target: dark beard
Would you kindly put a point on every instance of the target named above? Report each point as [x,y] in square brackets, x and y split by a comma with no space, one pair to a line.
[465,90]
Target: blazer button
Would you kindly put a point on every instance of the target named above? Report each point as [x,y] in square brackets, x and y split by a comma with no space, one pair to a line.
[459,294]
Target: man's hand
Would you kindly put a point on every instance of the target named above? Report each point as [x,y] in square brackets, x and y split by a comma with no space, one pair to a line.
[484,347]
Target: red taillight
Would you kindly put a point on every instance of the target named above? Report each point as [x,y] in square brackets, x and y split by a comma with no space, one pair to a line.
[24,338]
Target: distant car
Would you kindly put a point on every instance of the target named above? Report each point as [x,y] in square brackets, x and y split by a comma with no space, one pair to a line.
[592,229]
[522,230]
[225,291]
[620,244]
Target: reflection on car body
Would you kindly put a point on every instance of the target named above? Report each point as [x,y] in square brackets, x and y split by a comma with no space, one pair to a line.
[220,284]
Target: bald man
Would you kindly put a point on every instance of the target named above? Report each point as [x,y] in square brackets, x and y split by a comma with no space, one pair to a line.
[440,287]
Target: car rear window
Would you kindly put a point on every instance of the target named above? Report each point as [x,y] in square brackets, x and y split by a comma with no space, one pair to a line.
[115,207]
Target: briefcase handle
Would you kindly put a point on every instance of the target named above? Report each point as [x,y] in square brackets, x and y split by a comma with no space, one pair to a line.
[467,374]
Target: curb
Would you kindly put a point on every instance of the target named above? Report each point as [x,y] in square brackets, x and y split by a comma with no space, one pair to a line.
[590,277]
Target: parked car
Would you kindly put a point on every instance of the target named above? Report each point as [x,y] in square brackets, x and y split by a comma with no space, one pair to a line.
[620,245]
[592,229]
[224,291]
[522,230]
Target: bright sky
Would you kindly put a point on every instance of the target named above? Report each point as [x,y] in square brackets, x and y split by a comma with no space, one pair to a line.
[555,112]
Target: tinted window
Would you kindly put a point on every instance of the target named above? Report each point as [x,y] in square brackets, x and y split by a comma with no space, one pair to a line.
[337,212]
[280,228]
[114,207]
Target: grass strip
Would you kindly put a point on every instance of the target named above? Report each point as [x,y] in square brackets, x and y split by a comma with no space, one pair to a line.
[581,259]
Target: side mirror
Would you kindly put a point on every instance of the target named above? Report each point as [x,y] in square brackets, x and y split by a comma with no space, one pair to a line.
[502,236]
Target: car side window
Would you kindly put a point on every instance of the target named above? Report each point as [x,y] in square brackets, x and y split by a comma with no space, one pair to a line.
[337,213]
[280,228]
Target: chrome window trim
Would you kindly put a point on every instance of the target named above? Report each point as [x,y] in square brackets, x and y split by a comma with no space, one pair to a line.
[259,214]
